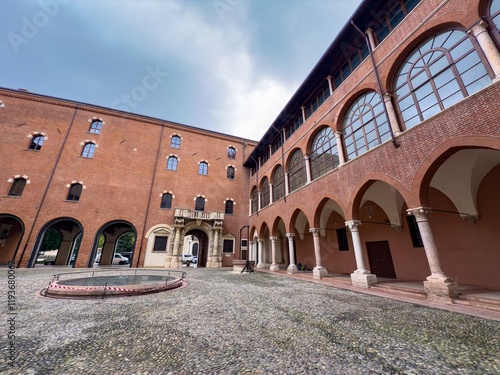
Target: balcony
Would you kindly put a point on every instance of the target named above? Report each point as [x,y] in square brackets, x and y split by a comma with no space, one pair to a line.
[198,215]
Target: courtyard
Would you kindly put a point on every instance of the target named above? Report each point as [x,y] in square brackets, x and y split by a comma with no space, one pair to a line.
[228,323]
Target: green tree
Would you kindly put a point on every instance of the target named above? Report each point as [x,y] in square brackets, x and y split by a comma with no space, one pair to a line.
[51,240]
[125,242]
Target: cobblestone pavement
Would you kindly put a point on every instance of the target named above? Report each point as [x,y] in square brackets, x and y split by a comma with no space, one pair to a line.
[228,323]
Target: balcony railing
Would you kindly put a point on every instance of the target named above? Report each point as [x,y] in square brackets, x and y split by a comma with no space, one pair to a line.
[199,215]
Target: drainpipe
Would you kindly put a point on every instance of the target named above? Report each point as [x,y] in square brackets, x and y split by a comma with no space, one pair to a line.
[46,189]
[149,198]
[394,140]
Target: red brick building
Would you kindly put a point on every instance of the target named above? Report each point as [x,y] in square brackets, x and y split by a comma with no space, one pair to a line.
[383,164]
[392,171]
[87,171]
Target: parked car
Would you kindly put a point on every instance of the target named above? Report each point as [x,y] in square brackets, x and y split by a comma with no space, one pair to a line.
[128,255]
[187,259]
[120,259]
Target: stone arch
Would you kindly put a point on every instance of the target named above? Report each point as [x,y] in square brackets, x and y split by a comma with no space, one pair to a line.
[112,231]
[69,229]
[364,184]
[11,234]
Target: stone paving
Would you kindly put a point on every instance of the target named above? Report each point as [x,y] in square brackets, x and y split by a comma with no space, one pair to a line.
[228,323]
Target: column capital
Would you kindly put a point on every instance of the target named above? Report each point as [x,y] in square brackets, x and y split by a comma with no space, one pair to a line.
[307,156]
[420,213]
[273,238]
[478,28]
[315,231]
[290,235]
[353,225]
[250,242]
[338,134]
[388,95]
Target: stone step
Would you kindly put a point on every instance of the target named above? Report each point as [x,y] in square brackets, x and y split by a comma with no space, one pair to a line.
[479,302]
[394,289]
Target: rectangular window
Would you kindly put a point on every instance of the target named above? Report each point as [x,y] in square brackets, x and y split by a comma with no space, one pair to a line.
[160,243]
[416,238]
[228,246]
[342,239]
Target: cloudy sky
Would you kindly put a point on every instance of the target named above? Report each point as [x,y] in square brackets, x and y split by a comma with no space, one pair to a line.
[224,65]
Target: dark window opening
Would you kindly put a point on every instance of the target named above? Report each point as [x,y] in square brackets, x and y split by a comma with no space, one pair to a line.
[342,239]
[227,246]
[75,191]
[229,207]
[160,243]
[17,188]
[95,127]
[166,201]
[200,204]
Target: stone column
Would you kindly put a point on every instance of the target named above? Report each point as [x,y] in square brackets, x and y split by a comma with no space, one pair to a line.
[330,84]
[175,260]
[319,271]
[438,285]
[303,113]
[274,265]
[287,186]
[261,263]
[487,46]
[361,277]
[371,38]
[393,119]
[259,201]
[250,250]
[292,267]
[250,207]
[271,200]
[308,168]
[340,149]
[215,261]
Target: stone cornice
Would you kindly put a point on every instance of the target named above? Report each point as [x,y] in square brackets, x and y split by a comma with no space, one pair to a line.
[4,92]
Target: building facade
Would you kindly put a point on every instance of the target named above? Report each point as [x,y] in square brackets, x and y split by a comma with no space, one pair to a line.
[92,175]
[383,164]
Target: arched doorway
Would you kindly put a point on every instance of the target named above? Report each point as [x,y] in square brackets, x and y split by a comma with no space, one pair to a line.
[114,245]
[196,243]
[57,243]
[11,233]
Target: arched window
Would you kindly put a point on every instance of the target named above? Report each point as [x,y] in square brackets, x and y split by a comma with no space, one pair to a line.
[229,207]
[230,173]
[365,125]
[324,153]
[255,200]
[75,191]
[495,16]
[17,188]
[203,168]
[95,127]
[36,142]
[278,184]
[265,198]
[231,153]
[438,73]
[200,204]
[297,171]
[88,150]
[175,142]
[166,201]
[172,163]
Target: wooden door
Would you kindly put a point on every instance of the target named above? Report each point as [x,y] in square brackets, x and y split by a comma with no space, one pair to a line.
[379,256]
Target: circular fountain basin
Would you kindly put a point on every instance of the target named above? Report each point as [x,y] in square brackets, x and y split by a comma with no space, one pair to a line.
[112,285]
